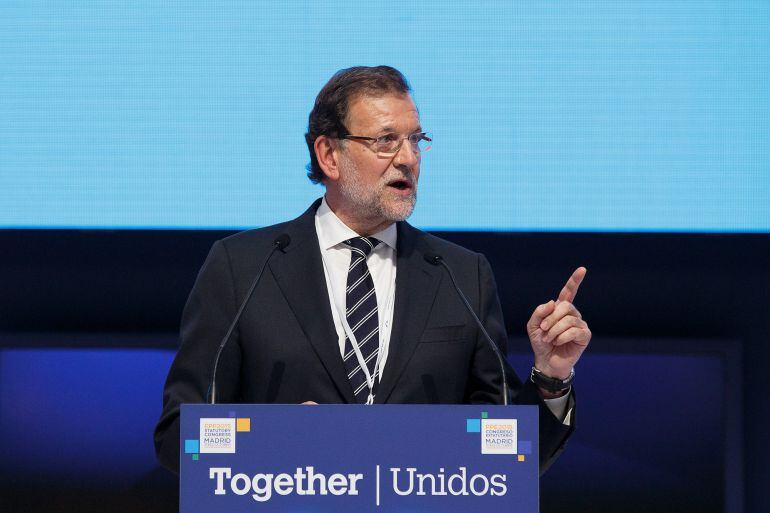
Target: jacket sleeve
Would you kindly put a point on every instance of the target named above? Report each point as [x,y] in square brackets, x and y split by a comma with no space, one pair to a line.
[207,314]
[485,382]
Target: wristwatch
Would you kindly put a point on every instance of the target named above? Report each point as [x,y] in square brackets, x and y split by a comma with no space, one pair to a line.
[550,384]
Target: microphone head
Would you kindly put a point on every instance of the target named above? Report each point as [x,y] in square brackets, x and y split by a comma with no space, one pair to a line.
[282,241]
[433,258]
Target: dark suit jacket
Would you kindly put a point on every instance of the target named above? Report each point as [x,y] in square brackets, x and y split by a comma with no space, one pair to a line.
[286,350]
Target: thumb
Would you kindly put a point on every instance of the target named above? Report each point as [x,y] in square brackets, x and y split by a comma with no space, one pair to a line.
[540,313]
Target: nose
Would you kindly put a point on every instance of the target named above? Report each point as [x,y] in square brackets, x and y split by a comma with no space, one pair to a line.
[407,155]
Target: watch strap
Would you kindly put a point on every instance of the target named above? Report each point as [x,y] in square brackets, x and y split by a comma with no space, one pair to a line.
[550,384]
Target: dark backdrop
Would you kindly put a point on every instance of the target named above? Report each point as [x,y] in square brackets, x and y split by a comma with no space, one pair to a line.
[680,325]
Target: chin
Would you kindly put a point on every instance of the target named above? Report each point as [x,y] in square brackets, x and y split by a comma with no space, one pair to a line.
[399,210]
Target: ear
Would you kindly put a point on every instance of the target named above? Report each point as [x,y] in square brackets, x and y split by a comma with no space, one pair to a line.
[326,153]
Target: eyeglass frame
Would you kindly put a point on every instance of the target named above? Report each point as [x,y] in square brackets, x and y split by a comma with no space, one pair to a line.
[426,136]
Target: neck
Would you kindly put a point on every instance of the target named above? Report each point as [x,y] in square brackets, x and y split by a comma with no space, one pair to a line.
[363,226]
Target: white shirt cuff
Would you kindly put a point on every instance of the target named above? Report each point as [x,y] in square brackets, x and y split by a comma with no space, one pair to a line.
[558,407]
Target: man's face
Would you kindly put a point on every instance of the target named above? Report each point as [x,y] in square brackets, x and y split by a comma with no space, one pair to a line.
[375,191]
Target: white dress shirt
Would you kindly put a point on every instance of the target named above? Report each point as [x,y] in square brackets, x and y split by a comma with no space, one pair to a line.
[332,233]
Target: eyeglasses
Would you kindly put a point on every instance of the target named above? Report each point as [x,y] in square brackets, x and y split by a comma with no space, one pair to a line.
[388,145]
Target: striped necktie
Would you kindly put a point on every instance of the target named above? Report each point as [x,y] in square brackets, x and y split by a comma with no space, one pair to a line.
[361,313]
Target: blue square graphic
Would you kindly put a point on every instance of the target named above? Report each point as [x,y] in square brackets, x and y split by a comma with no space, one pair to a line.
[191,446]
[525,446]
[473,425]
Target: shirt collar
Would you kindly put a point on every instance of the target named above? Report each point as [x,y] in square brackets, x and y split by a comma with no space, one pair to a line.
[332,231]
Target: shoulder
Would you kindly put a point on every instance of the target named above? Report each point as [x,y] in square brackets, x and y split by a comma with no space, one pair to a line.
[253,242]
[249,241]
[453,254]
[448,247]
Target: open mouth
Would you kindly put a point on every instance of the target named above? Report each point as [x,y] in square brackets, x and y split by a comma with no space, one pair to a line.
[401,185]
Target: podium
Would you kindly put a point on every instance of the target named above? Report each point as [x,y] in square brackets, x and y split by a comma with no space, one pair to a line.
[357,458]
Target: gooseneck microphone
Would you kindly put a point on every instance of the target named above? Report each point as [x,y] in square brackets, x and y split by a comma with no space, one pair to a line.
[435,259]
[280,243]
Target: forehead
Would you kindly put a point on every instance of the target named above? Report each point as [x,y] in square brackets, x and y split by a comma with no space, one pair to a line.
[395,112]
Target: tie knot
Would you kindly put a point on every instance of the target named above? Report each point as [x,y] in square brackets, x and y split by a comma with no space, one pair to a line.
[363,245]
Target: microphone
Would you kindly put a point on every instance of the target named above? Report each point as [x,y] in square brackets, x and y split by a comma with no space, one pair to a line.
[280,243]
[436,259]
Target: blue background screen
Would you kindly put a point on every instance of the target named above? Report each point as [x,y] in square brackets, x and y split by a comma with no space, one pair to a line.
[591,115]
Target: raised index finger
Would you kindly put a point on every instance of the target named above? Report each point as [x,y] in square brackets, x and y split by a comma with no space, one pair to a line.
[569,291]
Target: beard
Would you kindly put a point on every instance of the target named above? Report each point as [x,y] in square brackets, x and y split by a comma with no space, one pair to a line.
[380,201]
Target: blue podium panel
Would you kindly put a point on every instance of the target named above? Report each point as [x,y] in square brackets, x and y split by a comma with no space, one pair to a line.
[351,458]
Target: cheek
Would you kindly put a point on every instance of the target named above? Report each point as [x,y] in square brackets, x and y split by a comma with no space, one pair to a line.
[373,172]
[416,171]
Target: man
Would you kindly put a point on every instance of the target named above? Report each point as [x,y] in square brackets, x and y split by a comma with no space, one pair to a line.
[350,311]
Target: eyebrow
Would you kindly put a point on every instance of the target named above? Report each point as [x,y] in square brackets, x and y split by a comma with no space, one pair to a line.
[390,129]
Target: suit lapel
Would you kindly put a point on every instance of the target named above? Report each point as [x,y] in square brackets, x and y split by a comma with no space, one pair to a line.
[416,285]
[300,275]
